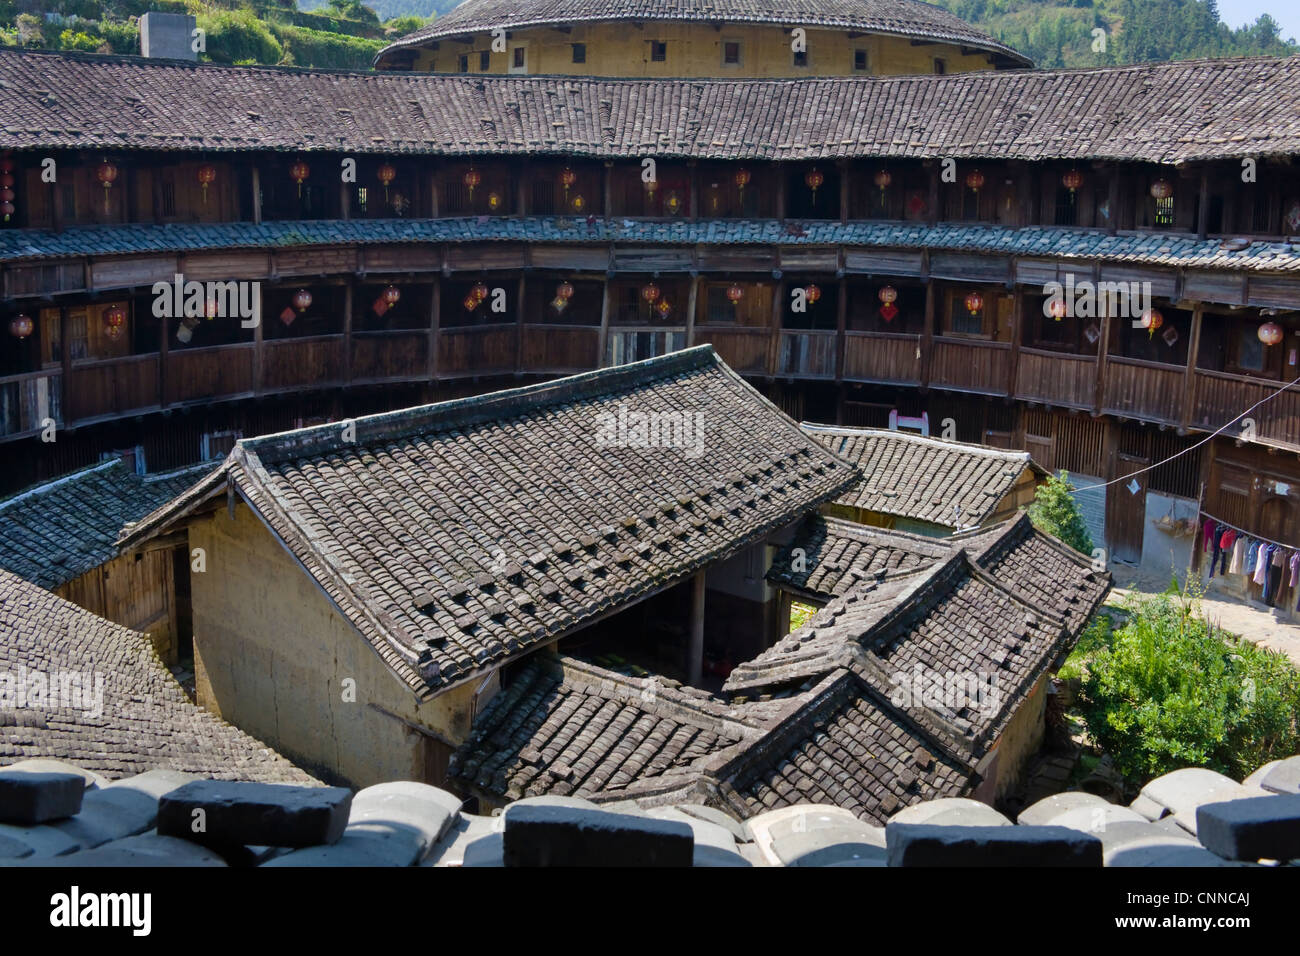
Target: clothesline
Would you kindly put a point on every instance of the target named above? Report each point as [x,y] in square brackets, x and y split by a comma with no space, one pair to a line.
[1247,534]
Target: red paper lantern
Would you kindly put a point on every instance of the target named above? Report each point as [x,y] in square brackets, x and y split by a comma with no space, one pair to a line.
[567,179]
[380,307]
[814,179]
[480,291]
[1057,309]
[472,179]
[1072,180]
[1162,189]
[391,295]
[564,291]
[210,309]
[1270,333]
[299,172]
[883,179]
[974,303]
[888,311]
[21,326]
[742,179]
[812,294]
[888,295]
[650,292]
[975,180]
[114,332]
[386,173]
[115,317]
[207,175]
[735,293]
[302,300]
[1151,320]
[106,173]
[472,302]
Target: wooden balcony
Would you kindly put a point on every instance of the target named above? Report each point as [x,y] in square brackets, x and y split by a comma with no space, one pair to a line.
[888,357]
[1057,378]
[1144,390]
[807,354]
[477,350]
[633,345]
[745,350]
[198,375]
[390,356]
[1219,398]
[299,363]
[971,365]
[112,387]
[560,349]
[28,400]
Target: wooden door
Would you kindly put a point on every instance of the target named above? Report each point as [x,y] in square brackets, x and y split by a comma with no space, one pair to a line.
[1126,506]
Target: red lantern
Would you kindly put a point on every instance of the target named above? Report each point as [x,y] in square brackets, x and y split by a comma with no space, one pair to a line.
[207,175]
[480,291]
[559,304]
[287,317]
[975,180]
[302,300]
[1270,333]
[1162,189]
[812,294]
[567,178]
[888,295]
[742,179]
[974,303]
[664,307]
[888,311]
[814,179]
[472,179]
[387,173]
[106,173]
[210,309]
[735,293]
[380,307]
[299,172]
[115,317]
[1072,180]
[1057,308]
[650,292]
[650,187]
[564,291]
[21,326]
[883,179]
[391,295]
[114,332]
[1151,320]
[472,302]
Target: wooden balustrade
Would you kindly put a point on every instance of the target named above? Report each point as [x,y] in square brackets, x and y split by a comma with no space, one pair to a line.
[476,350]
[745,350]
[27,401]
[224,371]
[390,356]
[297,363]
[1220,398]
[1057,378]
[633,345]
[560,349]
[971,365]
[1143,390]
[889,357]
[807,354]
[119,386]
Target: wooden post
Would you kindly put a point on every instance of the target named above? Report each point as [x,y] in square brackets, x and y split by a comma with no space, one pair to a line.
[1193,354]
[257,196]
[345,201]
[163,332]
[435,318]
[844,190]
[1103,347]
[780,191]
[601,346]
[258,338]
[774,342]
[841,325]
[349,304]
[519,326]
[695,665]
[65,358]
[156,187]
[607,191]
[692,303]
[1017,324]
[435,194]
[934,194]
[927,330]
[1112,199]
[695,190]
[1203,206]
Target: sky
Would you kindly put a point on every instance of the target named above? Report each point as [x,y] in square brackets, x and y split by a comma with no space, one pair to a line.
[1236,13]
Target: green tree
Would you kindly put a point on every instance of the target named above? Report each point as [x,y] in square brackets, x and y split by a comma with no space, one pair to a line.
[1055,512]
[1167,690]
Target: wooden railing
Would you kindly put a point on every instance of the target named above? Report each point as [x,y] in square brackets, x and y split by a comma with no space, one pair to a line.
[1143,390]
[971,365]
[476,350]
[1057,378]
[745,350]
[296,363]
[390,356]
[633,345]
[560,348]
[807,354]
[1220,398]
[119,386]
[28,401]
[888,357]
[224,371]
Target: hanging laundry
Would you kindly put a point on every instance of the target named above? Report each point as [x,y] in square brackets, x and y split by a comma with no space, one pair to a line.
[1226,542]
[1207,533]
[1239,555]
[1295,567]
[1252,551]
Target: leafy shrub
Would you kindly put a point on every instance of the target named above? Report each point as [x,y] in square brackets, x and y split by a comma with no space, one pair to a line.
[239,35]
[1166,690]
[1054,512]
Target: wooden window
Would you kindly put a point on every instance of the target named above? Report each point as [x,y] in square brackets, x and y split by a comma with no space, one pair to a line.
[462,65]
[520,57]
[1165,211]
[720,311]
[579,53]
[485,61]
[940,66]
[168,197]
[801,58]
[543,197]
[731,53]
[658,51]
[1067,206]
[859,61]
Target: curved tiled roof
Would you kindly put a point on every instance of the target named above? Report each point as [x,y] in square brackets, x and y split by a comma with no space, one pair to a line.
[144,720]
[904,18]
[1162,113]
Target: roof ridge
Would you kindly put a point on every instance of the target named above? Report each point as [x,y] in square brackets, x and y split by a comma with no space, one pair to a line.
[931,440]
[33,491]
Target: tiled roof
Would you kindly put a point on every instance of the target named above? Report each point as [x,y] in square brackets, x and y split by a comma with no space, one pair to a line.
[1037,241]
[453,536]
[51,533]
[145,722]
[1163,113]
[946,483]
[906,18]
[835,556]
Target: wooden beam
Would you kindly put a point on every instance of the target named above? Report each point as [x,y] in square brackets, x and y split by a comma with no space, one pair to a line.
[257,196]
[349,304]
[604,320]
[694,169]
[692,303]
[1112,198]
[607,187]
[934,194]
[1103,351]
[1203,206]
[1017,323]
[844,190]
[519,325]
[927,330]
[841,325]
[780,191]
[65,358]
[1193,354]
[774,340]
[435,318]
